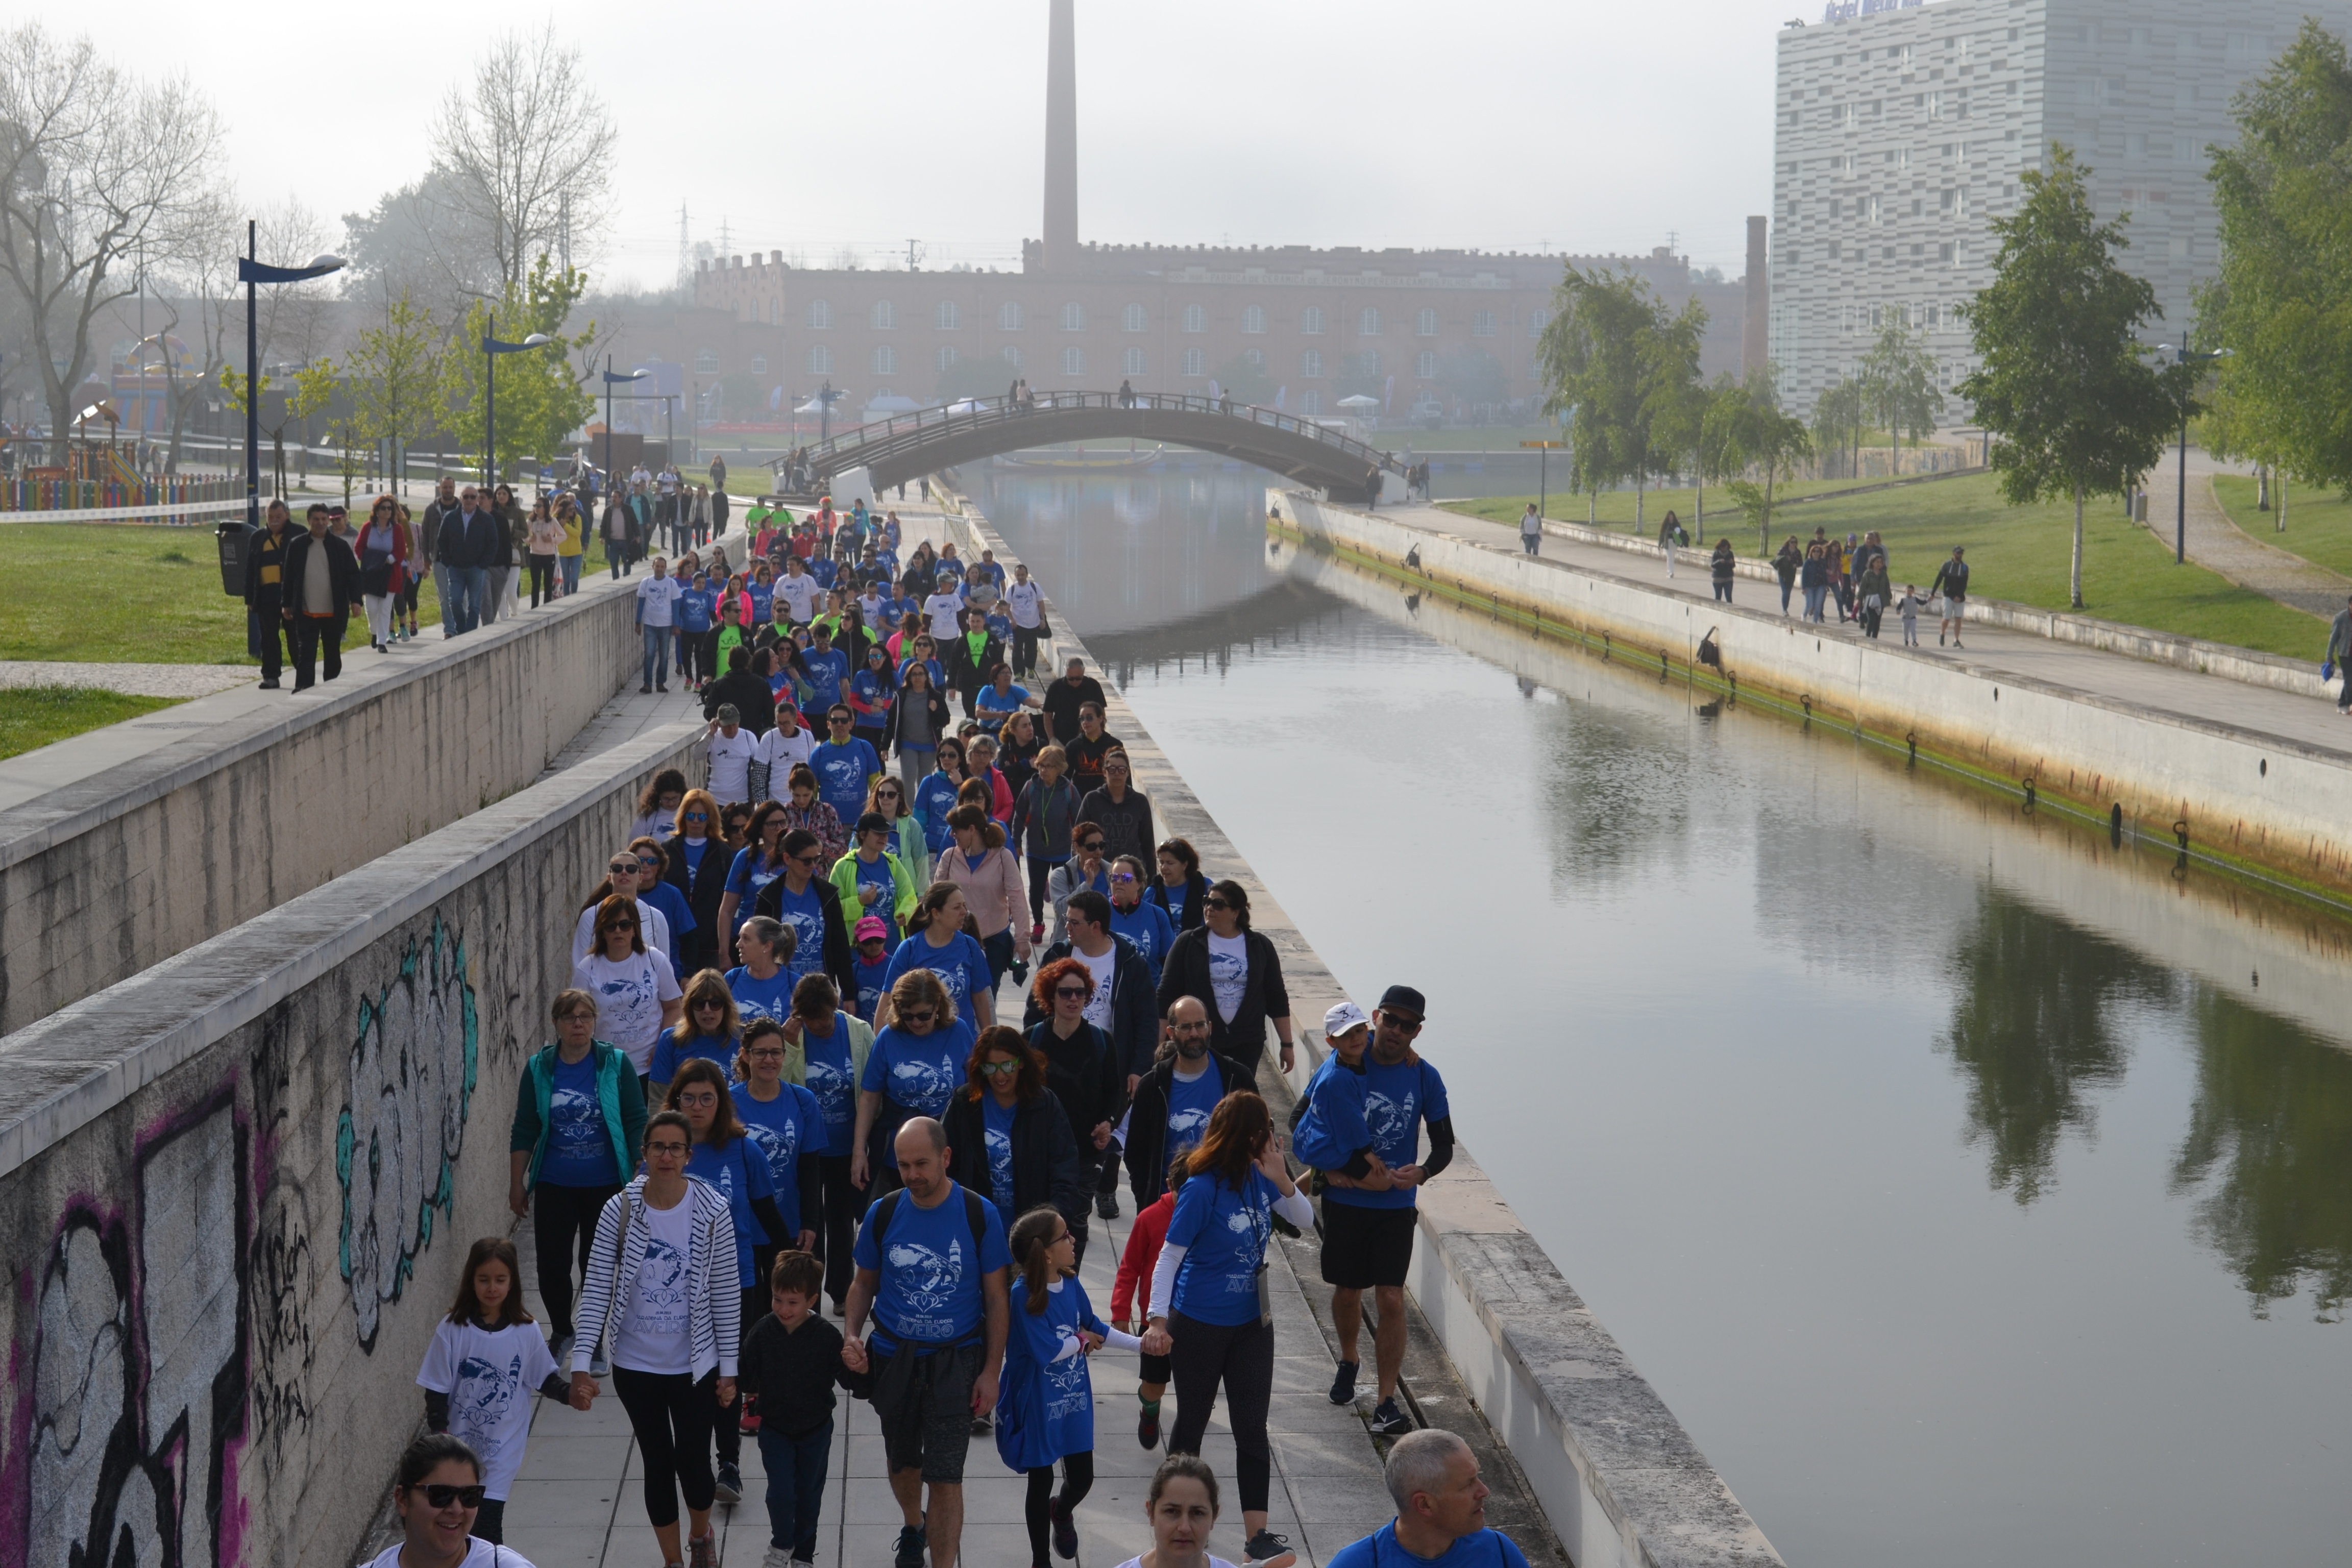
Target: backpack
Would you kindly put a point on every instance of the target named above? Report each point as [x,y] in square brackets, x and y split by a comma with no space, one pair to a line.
[886,1209]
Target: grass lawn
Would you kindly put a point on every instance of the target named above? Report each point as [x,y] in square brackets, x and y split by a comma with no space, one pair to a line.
[2021,554]
[2318,525]
[1615,508]
[31,716]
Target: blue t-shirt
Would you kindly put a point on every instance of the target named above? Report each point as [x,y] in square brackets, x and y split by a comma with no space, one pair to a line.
[842,771]
[739,1175]
[693,849]
[960,964]
[672,904]
[763,601]
[695,608]
[1000,707]
[784,1128]
[872,688]
[939,676]
[826,672]
[578,1147]
[1397,1099]
[804,913]
[1480,1549]
[1188,1106]
[831,1077]
[750,873]
[873,979]
[822,569]
[918,1071]
[1046,1408]
[999,626]
[1175,897]
[930,1290]
[1224,1233]
[1149,928]
[756,998]
[885,907]
[935,796]
[996,1122]
[1332,1128]
[673,1051]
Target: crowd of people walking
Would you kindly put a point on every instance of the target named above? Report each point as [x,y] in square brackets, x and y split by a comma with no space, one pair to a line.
[789,1142]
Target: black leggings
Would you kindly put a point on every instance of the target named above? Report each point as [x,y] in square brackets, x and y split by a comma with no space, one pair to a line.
[1242,1356]
[1078,1478]
[562,1224]
[842,1207]
[1041,868]
[671,1414]
[542,579]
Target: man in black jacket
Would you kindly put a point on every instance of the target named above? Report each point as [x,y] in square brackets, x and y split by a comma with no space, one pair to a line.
[321,579]
[471,544]
[438,511]
[800,882]
[1127,1013]
[1176,1089]
[755,704]
[264,599]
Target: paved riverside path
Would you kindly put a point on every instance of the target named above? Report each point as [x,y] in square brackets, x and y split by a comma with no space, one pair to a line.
[2099,676]
[2216,543]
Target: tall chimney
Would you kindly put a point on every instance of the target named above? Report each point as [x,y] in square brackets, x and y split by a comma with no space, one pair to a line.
[1061,247]
[1756,334]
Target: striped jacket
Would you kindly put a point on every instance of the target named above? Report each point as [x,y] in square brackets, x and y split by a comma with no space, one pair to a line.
[712,1289]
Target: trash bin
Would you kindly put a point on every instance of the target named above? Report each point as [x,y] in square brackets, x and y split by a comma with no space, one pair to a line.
[231,536]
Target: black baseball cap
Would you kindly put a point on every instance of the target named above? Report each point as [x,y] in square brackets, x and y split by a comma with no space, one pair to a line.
[872,822]
[1404,999]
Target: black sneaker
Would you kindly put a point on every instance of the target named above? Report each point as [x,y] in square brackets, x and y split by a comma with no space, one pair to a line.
[1267,1549]
[1066,1533]
[1390,1420]
[982,1425]
[1146,1427]
[1343,1384]
[1106,1205]
[731,1484]
[909,1553]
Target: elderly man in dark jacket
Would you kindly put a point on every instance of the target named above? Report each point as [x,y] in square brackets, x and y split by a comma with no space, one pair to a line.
[321,583]
[469,545]
[264,602]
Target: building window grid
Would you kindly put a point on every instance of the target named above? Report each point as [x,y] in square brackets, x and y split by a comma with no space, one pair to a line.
[1254,318]
[1074,317]
[885,316]
[947,318]
[1132,361]
[1196,361]
[1311,321]
[1196,319]
[886,360]
[1425,324]
[1134,319]
[1074,360]
[820,316]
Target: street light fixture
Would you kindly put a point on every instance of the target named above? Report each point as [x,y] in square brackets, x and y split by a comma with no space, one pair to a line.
[611,381]
[2183,354]
[491,349]
[251,273]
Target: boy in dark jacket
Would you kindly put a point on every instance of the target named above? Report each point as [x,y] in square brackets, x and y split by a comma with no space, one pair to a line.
[790,1362]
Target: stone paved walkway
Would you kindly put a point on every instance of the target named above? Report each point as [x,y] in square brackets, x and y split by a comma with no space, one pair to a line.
[131,680]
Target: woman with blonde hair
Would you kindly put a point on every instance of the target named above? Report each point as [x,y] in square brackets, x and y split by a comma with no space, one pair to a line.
[917,1062]
[711,1031]
[696,863]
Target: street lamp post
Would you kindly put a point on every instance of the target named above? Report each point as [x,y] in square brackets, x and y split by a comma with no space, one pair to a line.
[251,273]
[611,381]
[491,349]
[2182,353]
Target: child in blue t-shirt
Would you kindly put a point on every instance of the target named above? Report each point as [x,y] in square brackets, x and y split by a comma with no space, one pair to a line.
[873,964]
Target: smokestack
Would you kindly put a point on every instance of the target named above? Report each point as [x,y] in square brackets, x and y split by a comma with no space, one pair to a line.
[1061,247]
[1756,335]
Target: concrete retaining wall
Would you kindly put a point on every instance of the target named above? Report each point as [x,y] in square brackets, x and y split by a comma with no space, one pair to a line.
[262,801]
[2259,800]
[235,1189]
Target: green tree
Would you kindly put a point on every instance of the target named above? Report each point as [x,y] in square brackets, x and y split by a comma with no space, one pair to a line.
[1837,421]
[541,396]
[314,388]
[1759,438]
[1612,353]
[2078,404]
[1898,375]
[2283,298]
[392,372]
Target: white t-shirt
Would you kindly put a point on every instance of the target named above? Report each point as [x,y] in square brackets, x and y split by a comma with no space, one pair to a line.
[629,996]
[945,610]
[1135,1562]
[781,750]
[1228,973]
[655,1333]
[655,596]
[798,595]
[480,1553]
[653,926]
[489,1375]
[1024,599]
[730,764]
[1103,969]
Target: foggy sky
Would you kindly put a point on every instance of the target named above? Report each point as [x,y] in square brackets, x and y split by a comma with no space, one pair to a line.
[1497,123]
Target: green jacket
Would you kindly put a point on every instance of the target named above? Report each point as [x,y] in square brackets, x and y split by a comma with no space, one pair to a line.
[908,839]
[843,877]
[861,1045]
[618,1094]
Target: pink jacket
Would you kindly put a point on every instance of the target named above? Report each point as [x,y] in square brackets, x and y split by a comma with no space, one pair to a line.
[993,892]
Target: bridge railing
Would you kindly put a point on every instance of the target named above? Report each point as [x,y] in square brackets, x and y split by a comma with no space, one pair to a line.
[882,436]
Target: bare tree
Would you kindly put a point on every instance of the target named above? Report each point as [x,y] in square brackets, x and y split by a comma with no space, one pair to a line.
[94,165]
[202,282]
[529,146]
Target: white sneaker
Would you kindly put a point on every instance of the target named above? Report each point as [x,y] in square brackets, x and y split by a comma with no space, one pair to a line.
[777,1557]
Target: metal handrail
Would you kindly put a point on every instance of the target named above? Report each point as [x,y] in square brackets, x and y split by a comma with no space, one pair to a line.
[881,436]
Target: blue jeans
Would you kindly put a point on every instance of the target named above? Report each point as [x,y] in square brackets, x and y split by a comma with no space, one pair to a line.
[469,587]
[796,1467]
[443,585]
[569,566]
[1815,593]
[657,654]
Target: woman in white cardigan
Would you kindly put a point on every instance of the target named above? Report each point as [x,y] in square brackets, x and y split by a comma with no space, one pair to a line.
[662,1293]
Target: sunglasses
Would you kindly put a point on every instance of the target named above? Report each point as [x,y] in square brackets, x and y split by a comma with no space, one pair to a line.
[622,925]
[696,816]
[650,864]
[708,1005]
[1214,904]
[811,858]
[920,1016]
[620,866]
[1405,1021]
[1080,991]
[999,1069]
[442,1495]
[1122,875]
[1092,845]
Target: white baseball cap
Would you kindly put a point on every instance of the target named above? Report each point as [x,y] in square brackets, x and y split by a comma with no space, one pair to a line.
[1347,1015]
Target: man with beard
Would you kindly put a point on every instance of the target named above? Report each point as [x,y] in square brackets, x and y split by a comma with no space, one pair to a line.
[1172,1101]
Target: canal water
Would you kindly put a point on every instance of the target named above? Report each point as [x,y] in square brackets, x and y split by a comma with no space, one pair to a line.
[1973,1190]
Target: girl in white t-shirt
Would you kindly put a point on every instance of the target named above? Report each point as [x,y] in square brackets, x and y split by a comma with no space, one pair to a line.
[437,1492]
[1182,1509]
[485,1361]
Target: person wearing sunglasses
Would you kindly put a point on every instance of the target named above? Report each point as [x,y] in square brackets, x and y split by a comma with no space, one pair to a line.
[889,798]
[918,1059]
[637,991]
[677,918]
[801,900]
[869,691]
[437,1493]
[844,765]
[673,1349]
[1236,973]
[919,723]
[1009,1138]
[1082,1069]
[979,863]
[1084,871]
[695,864]
[624,874]
[872,881]
[1120,810]
[1137,918]
[711,1031]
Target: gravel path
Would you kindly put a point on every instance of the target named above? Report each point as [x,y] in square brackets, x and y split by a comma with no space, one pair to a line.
[132,680]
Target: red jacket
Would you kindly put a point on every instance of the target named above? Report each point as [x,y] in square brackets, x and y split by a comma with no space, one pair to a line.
[1141,1257]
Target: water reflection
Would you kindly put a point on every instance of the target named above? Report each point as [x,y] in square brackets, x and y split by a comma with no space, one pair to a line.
[2270,1149]
[2033,1031]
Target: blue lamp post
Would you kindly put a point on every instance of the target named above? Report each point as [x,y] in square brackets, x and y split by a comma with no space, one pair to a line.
[251,272]
[2183,354]
[491,349]
[612,381]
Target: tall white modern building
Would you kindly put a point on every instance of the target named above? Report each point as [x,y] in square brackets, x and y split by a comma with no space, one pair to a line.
[1901,133]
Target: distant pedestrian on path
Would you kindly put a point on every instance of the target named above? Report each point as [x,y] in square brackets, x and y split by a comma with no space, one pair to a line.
[1871,593]
[1785,566]
[1952,583]
[1670,536]
[1816,578]
[1907,606]
[1720,566]
[322,578]
[2338,655]
[1532,531]
[1440,1512]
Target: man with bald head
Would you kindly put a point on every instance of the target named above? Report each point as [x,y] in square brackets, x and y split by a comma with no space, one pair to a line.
[1172,1101]
[1440,1512]
[931,1267]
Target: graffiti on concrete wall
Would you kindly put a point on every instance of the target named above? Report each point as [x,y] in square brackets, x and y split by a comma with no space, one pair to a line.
[138,1391]
[412,1066]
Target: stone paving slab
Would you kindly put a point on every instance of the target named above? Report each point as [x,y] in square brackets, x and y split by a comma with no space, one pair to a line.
[131,680]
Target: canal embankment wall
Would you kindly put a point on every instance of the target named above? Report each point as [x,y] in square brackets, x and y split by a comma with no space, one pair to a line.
[124,846]
[2263,805]
[1620,1482]
[234,1185]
